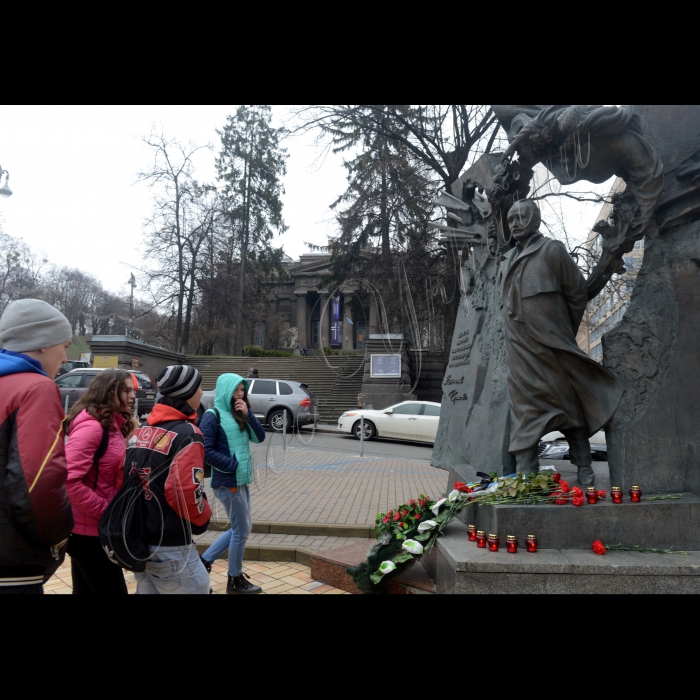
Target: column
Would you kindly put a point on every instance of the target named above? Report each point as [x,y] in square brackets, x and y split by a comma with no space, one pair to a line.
[302,324]
[348,328]
[325,325]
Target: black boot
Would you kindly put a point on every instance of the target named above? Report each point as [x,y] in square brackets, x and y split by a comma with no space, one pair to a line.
[207,564]
[240,584]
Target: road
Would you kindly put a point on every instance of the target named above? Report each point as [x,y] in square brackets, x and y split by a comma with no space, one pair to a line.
[329,442]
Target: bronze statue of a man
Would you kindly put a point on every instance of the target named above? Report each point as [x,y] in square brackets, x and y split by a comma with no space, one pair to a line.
[553,384]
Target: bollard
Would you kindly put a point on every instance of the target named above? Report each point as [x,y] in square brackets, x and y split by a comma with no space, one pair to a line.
[284,430]
[362,436]
[65,407]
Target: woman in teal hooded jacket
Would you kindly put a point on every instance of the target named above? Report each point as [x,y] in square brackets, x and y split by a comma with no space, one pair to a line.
[228,429]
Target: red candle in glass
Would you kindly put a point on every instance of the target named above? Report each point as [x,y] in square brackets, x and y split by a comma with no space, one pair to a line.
[532,543]
[472,533]
[592,494]
[512,544]
[493,543]
[635,494]
[616,494]
[481,539]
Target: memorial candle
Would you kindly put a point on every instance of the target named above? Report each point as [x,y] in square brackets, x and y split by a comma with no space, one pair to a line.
[512,544]
[616,494]
[481,539]
[493,542]
[472,533]
[592,494]
[532,543]
[635,494]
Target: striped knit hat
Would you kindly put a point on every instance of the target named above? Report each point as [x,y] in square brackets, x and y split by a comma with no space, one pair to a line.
[179,381]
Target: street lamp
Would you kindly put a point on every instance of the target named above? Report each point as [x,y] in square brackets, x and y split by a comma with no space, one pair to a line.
[5,190]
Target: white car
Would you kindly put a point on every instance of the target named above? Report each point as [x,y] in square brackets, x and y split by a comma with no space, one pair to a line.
[410,420]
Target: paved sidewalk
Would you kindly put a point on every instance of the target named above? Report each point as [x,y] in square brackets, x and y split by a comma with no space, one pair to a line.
[316,543]
[308,486]
[273,577]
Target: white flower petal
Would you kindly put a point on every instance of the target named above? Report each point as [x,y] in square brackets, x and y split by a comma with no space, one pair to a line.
[436,507]
[453,496]
[387,566]
[413,547]
[426,525]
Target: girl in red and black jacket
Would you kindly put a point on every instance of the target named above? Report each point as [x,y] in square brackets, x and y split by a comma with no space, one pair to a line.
[103,411]
[168,455]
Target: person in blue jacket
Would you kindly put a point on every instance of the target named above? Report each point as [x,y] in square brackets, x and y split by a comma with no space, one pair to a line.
[228,429]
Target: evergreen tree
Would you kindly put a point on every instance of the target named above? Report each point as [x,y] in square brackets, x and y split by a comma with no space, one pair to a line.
[251,165]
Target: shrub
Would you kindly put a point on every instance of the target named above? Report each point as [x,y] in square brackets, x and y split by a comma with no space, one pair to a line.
[255,351]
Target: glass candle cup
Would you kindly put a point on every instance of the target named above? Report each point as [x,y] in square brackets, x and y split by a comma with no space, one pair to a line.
[532,543]
[616,494]
[512,544]
[493,543]
[592,494]
[472,533]
[481,539]
[635,494]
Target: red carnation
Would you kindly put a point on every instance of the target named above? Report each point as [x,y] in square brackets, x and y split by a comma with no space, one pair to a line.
[578,493]
[602,494]
[397,516]
[417,516]
[577,501]
[561,501]
[564,486]
[598,547]
[385,519]
[556,476]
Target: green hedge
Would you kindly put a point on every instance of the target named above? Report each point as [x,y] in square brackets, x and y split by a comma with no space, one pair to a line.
[255,351]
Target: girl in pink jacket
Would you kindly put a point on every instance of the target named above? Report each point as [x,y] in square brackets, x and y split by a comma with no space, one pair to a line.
[106,405]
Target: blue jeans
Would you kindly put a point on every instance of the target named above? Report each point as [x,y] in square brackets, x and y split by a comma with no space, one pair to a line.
[237,506]
[173,570]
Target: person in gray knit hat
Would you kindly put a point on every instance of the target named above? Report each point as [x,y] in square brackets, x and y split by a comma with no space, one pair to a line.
[179,382]
[36,329]
[34,505]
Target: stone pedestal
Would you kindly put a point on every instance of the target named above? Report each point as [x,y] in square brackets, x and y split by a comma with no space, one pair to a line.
[378,393]
[459,566]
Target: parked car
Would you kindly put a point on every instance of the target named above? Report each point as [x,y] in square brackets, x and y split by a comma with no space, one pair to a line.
[410,420]
[70,365]
[554,446]
[73,385]
[271,399]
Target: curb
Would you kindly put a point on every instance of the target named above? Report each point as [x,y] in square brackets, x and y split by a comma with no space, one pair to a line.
[320,529]
[269,553]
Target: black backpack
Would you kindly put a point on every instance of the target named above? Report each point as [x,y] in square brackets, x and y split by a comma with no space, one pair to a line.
[102,448]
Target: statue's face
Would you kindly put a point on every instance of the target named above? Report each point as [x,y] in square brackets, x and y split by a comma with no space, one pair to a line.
[523,221]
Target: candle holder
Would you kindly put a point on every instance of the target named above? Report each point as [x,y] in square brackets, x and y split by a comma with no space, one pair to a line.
[481,539]
[635,494]
[532,543]
[493,543]
[616,494]
[472,533]
[592,494]
[512,544]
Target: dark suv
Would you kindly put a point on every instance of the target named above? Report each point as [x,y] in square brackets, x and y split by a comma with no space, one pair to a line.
[73,384]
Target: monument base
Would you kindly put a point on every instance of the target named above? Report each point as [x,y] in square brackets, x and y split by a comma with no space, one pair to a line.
[459,566]
[663,524]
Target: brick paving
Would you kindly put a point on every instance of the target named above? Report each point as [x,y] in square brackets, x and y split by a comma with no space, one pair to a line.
[316,543]
[309,486]
[273,577]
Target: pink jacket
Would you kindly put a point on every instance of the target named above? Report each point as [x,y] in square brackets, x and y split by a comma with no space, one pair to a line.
[89,503]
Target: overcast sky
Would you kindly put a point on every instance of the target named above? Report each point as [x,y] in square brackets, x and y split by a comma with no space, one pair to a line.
[75,197]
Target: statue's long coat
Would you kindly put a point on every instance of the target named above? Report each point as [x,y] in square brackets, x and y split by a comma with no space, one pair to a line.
[553,384]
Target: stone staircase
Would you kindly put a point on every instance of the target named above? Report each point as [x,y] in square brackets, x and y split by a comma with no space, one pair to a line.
[335,394]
